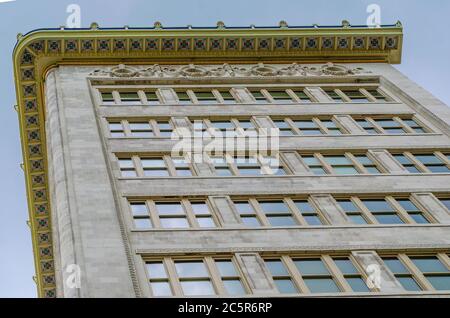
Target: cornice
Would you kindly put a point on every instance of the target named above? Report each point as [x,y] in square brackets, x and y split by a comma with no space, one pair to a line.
[38,51]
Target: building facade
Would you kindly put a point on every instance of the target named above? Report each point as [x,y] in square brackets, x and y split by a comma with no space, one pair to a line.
[358,204]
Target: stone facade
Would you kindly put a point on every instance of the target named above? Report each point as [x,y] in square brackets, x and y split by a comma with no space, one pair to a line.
[92,224]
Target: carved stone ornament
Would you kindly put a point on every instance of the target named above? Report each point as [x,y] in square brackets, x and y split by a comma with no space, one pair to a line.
[227,70]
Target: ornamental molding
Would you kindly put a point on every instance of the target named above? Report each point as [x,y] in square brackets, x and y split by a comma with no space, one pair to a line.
[227,70]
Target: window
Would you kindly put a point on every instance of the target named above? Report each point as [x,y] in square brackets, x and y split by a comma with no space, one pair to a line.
[434,270]
[383,212]
[424,163]
[206,97]
[302,96]
[281,96]
[277,213]
[247,213]
[377,95]
[308,212]
[281,276]
[227,97]
[141,215]
[127,168]
[223,127]
[314,165]
[221,167]
[356,96]
[334,96]
[182,167]
[390,126]
[152,98]
[184,98]
[260,98]
[420,272]
[284,127]
[203,214]
[316,275]
[308,127]
[142,130]
[246,166]
[230,277]
[368,164]
[413,211]
[368,126]
[154,167]
[352,211]
[193,277]
[130,98]
[341,164]
[351,274]
[172,214]
[116,129]
[332,127]
[416,127]
[159,279]
[108,98]
[165,128]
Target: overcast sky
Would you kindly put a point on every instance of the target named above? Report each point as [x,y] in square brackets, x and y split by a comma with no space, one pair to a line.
[425,60]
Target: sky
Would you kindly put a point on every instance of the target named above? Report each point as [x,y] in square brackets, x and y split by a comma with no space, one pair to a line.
[425,60]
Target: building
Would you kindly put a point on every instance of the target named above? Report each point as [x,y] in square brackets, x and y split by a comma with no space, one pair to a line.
[358,207]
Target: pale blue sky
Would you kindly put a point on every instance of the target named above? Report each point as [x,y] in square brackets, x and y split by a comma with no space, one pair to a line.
[425,60]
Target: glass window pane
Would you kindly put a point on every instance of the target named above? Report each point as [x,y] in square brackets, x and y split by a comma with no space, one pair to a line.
[281,221]
[129,173]
[377,205]
[438,169]
[207,222]
[345,170]
[156,173]
[243,207]
[126,163]
[440,282]
[200,208]
[429,265]
[304,206]
[197,288]
[311,161]
[142,224]
[312,220]
[250,221]
[174,223]
[358,285]
[311,267]
[226,268]
[150,163]
[348,206]
[191,269]
[318,171]
[286,286]
[161,289]
[321,285]
[139,209]
[428,159]
[346,266]
[274,207]
[357,219]
[388,219]
[419,218]
[156,270]
[276,268]
[169,208]
[337,160]
[234,287]
[409,283]
[396,266]
[446,202]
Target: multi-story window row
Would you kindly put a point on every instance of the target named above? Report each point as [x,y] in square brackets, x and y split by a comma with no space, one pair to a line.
[294,274]
[257,212]
[254,94]
[342,163]
[288,126]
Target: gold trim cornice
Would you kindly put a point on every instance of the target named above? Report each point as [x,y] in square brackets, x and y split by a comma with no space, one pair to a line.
[39,51]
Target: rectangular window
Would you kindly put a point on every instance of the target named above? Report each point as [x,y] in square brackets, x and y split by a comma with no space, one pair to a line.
[221,167]
[116,129]
[341,165]
[356,96]
[383,211]
[435,271]
[184,98]
[172,215]
[206,97]
[308,212]
[308,127]
[108,98]
[424,163]
[352,211]
[413,211]
[445,202]
[401,273]
[351,274]
[414,125]
[334,96]
[202,214]
[159,279]
[127,168]
[281,276]
[130,98]
[368,126]
[316,275]
[377,95]
[304,98]
[284,127]
[165,128]
[247,213]
[152,98]
[154,167]
[368,164]
[141,215]
[227,97]
[281,96]
[195,279]
[390,126]
[230,278]
[259,97]
[314,165]
[182,167]
[141,130]
[277,213]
